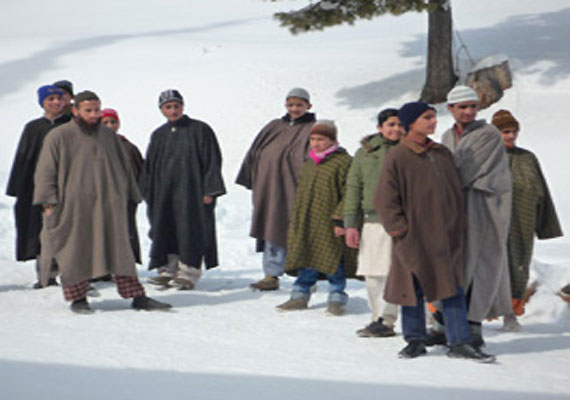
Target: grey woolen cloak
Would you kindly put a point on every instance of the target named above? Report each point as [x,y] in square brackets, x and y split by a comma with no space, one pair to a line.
[183,164]
[270,170]
[89,180]
[483,167]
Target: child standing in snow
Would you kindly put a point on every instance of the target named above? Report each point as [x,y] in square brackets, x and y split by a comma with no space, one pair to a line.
[270,170]
[314,242]
[363,228]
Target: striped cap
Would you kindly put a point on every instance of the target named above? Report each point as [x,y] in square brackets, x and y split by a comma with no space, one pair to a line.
[168,96]
[460,94]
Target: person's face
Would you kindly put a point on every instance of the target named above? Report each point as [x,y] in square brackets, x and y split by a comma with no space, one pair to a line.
[297,107]
[173,110]
[111,123]
[425,124]
[53,104]
[464,112]
[319,143]
[509,134]
[66,98]
[391,129]
[89,111]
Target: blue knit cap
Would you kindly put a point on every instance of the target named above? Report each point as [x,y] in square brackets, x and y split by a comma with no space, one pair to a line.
[48,90]
[409,112]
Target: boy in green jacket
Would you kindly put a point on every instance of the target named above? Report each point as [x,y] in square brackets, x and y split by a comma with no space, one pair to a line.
[363,229]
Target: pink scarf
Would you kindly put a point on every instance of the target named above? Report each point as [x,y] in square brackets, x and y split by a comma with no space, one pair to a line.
[319,157]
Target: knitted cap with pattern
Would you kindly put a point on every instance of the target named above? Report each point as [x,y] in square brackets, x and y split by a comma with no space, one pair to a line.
[503,119]
[460,94]
[168,96]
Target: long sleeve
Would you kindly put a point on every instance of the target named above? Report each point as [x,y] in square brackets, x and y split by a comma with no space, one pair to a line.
[547,225]
[353,197]
[212,165]
[45,177]
[341,182]
[388,201]
[484,166]
[22,163]
[246,172]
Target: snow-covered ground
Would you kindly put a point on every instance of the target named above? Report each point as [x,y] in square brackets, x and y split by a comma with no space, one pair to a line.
[233,64]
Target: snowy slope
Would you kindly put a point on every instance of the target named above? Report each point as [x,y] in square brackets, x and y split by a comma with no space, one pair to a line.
[233,64]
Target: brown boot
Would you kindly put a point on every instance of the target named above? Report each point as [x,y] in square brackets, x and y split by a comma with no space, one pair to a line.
[335,308]
[294,305]
[268,283]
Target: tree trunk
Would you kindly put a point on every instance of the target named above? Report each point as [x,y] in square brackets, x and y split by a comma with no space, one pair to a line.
[440,76]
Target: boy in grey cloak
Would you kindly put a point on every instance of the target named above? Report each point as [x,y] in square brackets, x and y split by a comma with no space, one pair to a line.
[483,167]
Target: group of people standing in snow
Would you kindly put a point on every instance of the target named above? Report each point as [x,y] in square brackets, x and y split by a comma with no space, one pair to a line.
[451,223]
[77,183]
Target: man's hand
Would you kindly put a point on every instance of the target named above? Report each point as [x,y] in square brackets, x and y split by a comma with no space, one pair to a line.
[48,209]
[352,238]
[338,231]
[208,199]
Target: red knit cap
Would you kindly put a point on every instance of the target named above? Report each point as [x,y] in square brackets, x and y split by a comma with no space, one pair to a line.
[109,112]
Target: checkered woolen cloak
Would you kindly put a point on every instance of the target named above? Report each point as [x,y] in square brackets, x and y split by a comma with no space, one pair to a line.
[318,201]
[532,213]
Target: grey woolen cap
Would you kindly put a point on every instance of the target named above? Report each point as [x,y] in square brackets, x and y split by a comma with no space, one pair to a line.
[169,95]
[461,93]
[299,93]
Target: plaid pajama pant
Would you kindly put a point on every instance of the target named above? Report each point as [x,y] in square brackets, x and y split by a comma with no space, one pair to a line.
[127,286]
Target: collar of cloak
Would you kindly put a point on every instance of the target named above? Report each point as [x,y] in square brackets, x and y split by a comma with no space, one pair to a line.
[308,117]
[60,119]
[374,141]
[416,147]
[183,121]
[472,126]
[338,150]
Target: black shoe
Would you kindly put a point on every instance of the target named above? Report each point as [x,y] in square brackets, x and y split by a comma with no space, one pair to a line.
[104,278]
[50,282]
[469,352]
[148,304]
[81,306]
[376,329]
[92,291]
[415,348]
[436,338]
[477,342]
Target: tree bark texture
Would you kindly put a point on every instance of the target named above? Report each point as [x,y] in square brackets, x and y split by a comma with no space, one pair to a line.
[440,76]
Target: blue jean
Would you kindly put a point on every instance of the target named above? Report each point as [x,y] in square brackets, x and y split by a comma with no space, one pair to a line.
[307,277]
[273,259]
[454,313]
